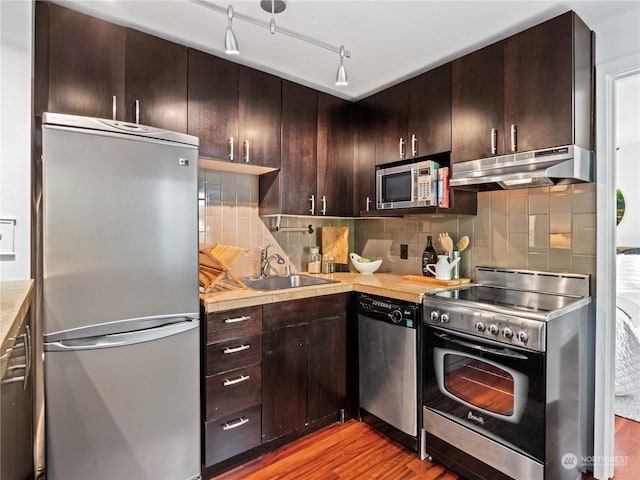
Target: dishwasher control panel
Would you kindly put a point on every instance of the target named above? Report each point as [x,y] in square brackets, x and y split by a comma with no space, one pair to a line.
[404,314]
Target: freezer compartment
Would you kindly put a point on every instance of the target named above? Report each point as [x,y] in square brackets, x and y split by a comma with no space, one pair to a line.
[129,411]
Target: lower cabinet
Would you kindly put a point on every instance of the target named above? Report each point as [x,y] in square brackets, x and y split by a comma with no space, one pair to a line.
[303,362]
[232,383]
[269,371]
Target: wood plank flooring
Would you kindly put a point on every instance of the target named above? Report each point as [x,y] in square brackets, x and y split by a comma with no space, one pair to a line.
[355,451]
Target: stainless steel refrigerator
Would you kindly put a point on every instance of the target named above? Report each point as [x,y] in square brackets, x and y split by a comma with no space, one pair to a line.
[120,301]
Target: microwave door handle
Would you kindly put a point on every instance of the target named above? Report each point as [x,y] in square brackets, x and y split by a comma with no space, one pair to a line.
[494,351]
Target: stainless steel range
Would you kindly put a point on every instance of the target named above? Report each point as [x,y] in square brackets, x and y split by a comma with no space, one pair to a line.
[506,387]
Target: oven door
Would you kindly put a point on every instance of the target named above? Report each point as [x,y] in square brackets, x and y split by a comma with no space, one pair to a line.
[493,389]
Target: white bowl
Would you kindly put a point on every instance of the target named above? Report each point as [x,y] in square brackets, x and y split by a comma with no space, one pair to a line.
[365,268]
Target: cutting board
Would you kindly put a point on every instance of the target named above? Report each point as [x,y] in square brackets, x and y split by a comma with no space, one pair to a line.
[435,281]
[335,242]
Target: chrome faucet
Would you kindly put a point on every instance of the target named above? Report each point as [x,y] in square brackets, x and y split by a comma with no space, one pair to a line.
[266,261]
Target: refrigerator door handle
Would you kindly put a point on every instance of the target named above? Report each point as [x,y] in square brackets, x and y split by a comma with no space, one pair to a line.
[121,339]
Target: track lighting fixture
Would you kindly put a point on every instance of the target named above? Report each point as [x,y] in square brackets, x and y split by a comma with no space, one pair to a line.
[230,40]
[341,76]
[273,7]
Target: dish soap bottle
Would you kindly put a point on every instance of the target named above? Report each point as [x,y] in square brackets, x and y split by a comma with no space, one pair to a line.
[429,256]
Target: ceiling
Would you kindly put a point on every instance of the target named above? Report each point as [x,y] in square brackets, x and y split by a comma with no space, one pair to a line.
[389,41]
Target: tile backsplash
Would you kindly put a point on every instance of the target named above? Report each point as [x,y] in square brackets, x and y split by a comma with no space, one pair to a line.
[546,228]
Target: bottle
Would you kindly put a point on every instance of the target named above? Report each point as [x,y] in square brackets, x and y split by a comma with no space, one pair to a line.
[429,256]
[314,260]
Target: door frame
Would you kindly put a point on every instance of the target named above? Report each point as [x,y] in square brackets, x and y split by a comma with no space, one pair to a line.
[604,404]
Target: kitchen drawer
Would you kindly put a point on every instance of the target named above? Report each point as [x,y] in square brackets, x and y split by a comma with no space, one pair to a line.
[237,353]
[231,435]
[294,312]
[237,323]
[233,391]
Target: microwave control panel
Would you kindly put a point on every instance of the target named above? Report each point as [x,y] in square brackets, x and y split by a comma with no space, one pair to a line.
[425,184]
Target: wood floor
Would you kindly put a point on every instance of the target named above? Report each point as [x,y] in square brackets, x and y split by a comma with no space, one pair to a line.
[355,451]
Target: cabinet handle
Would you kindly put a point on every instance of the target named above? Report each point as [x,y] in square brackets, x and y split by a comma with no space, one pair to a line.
[246,151]
[494,141]
[514,137]
[401,147]
[27,340]
[138,111]
[368,203]
[324,205]
[114,107]
[239,348]
[235,381]
[313,204]
[237,319]
[230,149]
[414,145]
[238,423]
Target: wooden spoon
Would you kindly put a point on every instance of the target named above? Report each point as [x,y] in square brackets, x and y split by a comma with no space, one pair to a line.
[447,244]
[463,243]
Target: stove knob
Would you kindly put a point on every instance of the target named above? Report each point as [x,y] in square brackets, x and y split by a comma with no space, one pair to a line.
[396,316]
[480,326]
[522,336]
[444,318]
[507,333]
[434,315]
[493,329]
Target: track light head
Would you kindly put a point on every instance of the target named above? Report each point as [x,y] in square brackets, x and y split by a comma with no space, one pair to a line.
[230,40]
[341,76]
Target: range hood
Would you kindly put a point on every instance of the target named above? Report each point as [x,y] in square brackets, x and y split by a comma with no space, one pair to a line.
[553,166]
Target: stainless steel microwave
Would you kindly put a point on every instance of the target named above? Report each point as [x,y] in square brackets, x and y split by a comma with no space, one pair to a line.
[408,185]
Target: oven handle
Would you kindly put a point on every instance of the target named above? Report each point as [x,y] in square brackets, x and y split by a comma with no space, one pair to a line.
[503,353]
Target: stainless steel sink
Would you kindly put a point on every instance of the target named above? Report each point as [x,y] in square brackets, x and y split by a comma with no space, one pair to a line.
[282,282]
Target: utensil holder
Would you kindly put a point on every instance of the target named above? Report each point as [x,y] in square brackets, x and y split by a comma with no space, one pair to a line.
[455,271]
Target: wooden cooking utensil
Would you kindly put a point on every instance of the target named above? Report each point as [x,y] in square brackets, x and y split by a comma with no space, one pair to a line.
[447,244]
[463,243]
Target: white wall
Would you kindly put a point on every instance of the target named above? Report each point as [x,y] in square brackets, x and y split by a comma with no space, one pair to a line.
[628,180]
[16,39]
[618,37]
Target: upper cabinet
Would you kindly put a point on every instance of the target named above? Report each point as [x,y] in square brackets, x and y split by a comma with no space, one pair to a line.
[413,118]
[213,105]
[99,69]
[81,81]
[335,156]
[316,175]
[155,82]
[364,161]
[531,91]
[234,110]
[259,117]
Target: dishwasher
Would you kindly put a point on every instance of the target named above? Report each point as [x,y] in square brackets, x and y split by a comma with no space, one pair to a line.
[389,367]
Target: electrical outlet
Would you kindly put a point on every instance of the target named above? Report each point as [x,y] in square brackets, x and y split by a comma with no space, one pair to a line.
[404,251]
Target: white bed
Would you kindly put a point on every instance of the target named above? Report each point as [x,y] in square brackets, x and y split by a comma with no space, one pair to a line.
[627,385]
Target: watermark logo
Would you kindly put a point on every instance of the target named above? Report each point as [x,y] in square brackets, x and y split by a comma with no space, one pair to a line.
[569,461]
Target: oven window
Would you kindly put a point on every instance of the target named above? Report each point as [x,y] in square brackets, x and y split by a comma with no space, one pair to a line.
[396,187]
[479,383]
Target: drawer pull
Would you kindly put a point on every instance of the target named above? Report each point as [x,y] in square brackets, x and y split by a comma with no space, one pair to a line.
[237,319]
[240,348]
[235,381]
[238,423]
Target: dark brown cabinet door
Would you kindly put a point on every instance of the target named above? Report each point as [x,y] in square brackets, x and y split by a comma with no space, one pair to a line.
[477,104]
[539,85]
[259,118]
[284,381]
[335,156]
[327,367]
[86,65]
[364,181]
[299,148]
[392,107]
[430,112]
[155,81]
[213,105]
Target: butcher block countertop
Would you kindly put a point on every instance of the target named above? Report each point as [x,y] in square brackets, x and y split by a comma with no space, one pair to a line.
[15,299]
[383,284]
